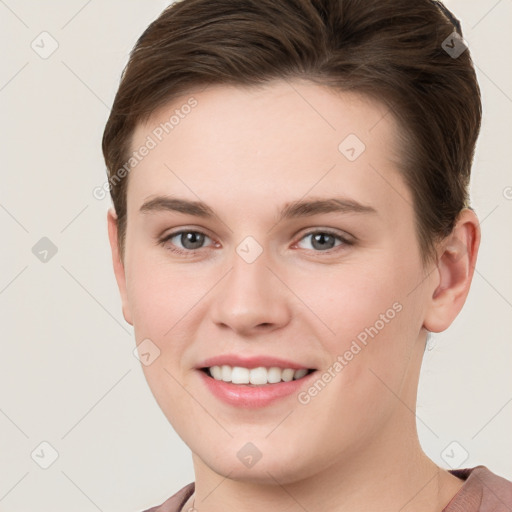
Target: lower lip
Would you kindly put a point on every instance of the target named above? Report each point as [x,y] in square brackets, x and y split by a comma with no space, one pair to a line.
[249,396]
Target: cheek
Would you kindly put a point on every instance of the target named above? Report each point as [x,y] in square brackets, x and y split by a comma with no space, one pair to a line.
[368,326]
[159,306]
[160,295]
[349,299]
[170,394]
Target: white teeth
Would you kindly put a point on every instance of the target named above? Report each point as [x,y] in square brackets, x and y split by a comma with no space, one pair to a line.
[240,375]
[257,376]
[300,373]
[287,374]
[226,373]
[216,372]
[273,375]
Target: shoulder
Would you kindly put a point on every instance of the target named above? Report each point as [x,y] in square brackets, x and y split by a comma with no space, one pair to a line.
[176,501]
[483,491]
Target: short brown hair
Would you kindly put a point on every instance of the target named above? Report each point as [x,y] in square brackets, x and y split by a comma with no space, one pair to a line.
[390,50]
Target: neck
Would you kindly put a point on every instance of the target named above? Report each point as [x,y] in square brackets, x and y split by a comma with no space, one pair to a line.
[398,478]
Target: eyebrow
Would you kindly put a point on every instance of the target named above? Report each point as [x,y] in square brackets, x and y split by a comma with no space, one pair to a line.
[291,210]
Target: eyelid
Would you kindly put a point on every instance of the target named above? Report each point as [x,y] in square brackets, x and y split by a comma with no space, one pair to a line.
[184,229]
[344,238]
[163,240]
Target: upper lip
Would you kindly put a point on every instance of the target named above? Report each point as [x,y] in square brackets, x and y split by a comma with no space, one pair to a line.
[251,362]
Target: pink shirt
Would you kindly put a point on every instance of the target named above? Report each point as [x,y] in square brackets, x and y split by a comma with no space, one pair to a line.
[483,491]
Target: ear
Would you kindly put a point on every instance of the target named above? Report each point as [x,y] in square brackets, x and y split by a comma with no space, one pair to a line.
[452,278]
[118,263]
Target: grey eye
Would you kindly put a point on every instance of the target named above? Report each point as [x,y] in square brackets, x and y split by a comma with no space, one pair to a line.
[322,241]
[190,240]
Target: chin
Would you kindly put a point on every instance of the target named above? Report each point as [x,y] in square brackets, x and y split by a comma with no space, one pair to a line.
[271,468]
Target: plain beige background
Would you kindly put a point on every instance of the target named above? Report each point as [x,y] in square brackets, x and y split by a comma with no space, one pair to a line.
[68,376]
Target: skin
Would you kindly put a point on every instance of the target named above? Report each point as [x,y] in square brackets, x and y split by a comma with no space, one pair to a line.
[247,153]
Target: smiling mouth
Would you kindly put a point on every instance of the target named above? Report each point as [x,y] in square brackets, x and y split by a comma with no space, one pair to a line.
[260,376]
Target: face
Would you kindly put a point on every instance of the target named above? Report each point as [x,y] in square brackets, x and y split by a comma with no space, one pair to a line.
[271,227]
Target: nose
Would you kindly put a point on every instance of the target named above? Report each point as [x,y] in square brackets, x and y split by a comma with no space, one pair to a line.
[250,299]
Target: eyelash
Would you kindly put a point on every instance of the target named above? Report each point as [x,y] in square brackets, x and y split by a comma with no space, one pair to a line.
[192,252]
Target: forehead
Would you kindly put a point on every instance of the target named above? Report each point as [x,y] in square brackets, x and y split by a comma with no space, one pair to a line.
[227,142]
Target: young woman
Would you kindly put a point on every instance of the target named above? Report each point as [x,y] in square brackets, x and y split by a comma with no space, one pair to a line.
[291,219]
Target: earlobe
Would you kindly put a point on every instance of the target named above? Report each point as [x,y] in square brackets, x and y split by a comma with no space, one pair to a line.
[118,264]
[454,272]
